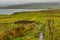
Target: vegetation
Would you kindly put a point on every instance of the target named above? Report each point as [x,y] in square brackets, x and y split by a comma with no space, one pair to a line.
[28,25]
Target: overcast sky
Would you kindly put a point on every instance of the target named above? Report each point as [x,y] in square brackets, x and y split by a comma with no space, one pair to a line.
[25,1]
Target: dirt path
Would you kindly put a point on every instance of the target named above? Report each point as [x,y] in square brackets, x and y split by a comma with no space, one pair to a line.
[41,36]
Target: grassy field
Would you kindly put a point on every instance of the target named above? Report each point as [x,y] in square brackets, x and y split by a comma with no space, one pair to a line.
[11,31]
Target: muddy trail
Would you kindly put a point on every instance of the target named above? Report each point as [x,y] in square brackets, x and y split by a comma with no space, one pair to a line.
[41,35]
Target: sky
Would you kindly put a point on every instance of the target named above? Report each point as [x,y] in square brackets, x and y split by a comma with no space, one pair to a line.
[25,1]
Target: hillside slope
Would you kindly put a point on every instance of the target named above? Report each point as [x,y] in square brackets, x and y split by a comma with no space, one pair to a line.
[33,6]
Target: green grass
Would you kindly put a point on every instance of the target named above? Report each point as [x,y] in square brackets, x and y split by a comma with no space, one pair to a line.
[41,17]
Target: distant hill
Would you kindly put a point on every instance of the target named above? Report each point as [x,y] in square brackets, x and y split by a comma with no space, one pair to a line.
[33,6]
